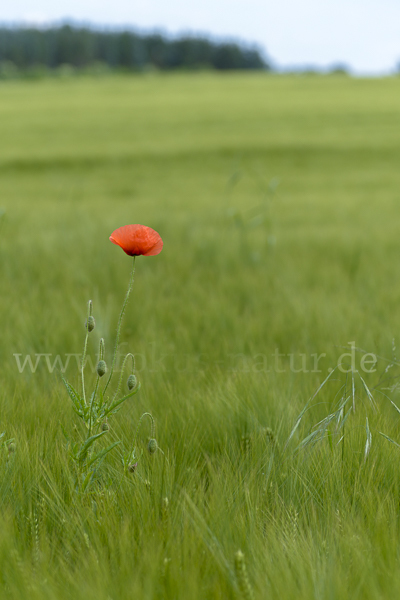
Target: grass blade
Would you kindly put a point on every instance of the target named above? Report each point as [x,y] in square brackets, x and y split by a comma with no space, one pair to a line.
[305,408]
[369,440]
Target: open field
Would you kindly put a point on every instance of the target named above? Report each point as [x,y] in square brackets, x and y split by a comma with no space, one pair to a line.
[278,202]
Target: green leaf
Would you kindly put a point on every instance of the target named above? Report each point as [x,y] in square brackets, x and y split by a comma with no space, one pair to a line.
[304,410]
[118,403]
[370,397]
[102,453]
[84,450]
[88,480]
[396,407]
[368,442]
[389,439]
[75,397]
[64,432]
[308,439]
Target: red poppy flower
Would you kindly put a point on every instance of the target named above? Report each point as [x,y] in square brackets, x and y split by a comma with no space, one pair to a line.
[137,240]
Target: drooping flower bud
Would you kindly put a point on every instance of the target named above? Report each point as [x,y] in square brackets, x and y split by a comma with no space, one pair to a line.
[152,446]
[132,467]
[12,447]
[132,381]
[101,368]
[105,426]
[90,323]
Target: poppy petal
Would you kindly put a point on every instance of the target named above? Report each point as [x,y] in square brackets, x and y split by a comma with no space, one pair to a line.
[137,240]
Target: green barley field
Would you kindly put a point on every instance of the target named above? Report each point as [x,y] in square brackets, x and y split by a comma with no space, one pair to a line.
[278,199]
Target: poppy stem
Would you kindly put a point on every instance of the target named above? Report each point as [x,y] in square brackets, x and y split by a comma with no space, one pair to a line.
[152,429]
[121,315]
[83,360]
[129,355]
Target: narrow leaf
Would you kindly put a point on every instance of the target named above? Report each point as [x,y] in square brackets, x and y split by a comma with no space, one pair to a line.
[371,399]
[396,407]
[102,453]
[389,439]
[308,439]
[117,403]
[75,397]
[368,442]
[88,443]
[88,480]
[305,408]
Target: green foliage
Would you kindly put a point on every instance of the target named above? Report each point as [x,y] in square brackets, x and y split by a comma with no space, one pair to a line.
[30,52]
[95,412]
[80,157]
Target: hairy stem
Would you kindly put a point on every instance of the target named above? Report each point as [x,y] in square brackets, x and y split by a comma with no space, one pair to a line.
[121,315]
[89,312]
[129,355]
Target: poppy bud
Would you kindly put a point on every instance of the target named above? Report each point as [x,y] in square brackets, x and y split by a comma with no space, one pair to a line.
[90,323]
[132,467]
[11,447]
[105,426]
[152,446]
[132,381]
[101,368]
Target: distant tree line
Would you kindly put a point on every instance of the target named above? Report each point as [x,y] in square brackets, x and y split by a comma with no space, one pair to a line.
[81,47]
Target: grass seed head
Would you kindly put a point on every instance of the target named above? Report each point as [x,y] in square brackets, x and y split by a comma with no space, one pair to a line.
[242,578]
[271,438]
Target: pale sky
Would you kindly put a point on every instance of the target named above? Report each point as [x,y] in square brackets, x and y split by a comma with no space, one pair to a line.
[364,34]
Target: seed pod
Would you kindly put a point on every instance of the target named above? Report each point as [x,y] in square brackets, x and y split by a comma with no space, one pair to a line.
[132,381]
[101,368]
[90,323]
[152,446]
[105,426]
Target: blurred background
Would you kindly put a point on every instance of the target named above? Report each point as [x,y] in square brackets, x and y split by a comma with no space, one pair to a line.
[360,36]
[258,138]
